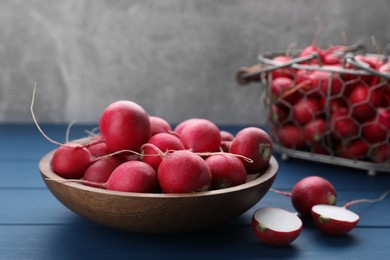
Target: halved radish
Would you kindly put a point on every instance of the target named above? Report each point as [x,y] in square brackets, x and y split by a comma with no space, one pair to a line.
[337,221]
[275,226]
[334,220]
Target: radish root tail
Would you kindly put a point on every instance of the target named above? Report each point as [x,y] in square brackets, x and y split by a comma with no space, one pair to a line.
[382,197]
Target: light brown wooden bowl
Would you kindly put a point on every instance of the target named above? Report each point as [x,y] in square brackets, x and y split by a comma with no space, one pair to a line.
[156,212]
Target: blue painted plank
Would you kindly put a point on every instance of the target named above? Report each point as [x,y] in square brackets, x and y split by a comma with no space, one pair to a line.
[22,174]
[92,242]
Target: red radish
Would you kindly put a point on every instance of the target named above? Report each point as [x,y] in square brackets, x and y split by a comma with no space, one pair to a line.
[321,149]
[384,117]
[306,110]
[182,124]
[304,78]
[374,132]
[132,176]
[385,69]
[280,88]
[226,170]
[226,140]
[337,221]
[157,145]
[285,71]
[381,153]
[329,82]
[101,169]
[310,191]
[159,125]
[253,143]
[279,113]
[184,172]
[275,226]
[332,105]
[356,149]
[363,101]
[200,136]
[333,55]
[71,160]
[315,131]
[125,125]
[291,136]
[99,149]
[373,62]
[226,136]
[312,49]
[342,125]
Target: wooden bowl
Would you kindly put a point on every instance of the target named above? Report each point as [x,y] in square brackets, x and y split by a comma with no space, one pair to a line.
[156,212]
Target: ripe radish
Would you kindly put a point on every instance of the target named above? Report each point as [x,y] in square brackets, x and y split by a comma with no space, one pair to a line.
[125,125]
[337,221]
[183,172]
[329,82]
[275,226]
[315,131]
[373,62]
[71,160]
[226,136]
[133,176]
[291,136]
[381,153]
[159,125]
[384,117]
[332,105]
[101,169]
[226,170]
[357,149]
[182,124]
[280,88]
[363,101]
[310,191]
[253,143]
[153,151]
[306,110]
[201,135]
[285,71]
[279,113]
[332,55]
[374,132]
[226,140]
[342,125]
[99,149]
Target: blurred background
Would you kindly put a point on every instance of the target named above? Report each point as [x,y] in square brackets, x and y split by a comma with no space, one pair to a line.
[176,58]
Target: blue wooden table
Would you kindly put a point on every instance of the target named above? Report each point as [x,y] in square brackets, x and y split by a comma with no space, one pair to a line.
[34,225]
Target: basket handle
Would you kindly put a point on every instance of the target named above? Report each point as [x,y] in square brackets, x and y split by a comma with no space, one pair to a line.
[246,75]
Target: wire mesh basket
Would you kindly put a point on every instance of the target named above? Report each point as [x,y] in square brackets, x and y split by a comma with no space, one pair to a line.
[336,112]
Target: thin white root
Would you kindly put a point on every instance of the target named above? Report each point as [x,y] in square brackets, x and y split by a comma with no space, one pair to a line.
[382,197]
[35,120]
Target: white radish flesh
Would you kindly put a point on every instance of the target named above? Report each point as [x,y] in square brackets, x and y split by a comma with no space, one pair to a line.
[275,226]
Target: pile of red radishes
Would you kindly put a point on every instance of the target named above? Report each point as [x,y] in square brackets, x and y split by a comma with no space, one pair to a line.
[136,152]
[335,103]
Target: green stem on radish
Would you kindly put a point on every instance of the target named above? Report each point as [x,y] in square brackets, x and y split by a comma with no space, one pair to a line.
[382,197]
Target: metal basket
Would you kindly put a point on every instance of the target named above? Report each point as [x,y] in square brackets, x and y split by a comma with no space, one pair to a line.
[353,72]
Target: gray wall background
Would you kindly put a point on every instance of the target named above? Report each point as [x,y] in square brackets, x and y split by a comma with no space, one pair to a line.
[176,58]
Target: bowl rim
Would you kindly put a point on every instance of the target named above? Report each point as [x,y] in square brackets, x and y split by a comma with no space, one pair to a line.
[48,175]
